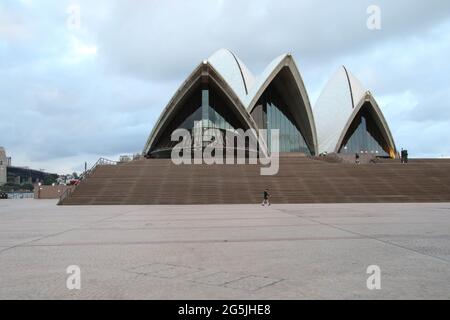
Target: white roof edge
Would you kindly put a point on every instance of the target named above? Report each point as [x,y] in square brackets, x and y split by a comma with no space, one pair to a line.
[368,97]
[383,120]
[334,107]
[183,89]
[263,80]
[165,111]
[266,78]
[233,70]
[308,105]
[356,88]
[337,106]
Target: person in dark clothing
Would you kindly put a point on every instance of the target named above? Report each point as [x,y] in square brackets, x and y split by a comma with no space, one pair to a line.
[357,158]
[404,156]
[266,196]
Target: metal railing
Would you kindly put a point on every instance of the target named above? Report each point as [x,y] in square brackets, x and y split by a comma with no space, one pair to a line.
[85,175]
[20,195]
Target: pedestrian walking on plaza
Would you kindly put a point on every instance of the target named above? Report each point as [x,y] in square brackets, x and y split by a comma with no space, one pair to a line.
[266,197]
[357,158]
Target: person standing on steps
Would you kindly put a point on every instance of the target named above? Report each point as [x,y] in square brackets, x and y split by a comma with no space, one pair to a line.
[266,197]
[404,156]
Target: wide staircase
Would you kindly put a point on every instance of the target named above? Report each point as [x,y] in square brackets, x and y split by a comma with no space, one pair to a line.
[300,180]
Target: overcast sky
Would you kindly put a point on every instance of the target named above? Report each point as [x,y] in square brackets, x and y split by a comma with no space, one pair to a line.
[73,92]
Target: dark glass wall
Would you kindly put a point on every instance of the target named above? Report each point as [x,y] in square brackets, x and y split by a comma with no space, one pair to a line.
[364,135]
[272,112]
[206,107]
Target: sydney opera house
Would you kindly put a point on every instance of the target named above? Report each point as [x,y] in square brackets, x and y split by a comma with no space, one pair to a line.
[317,145]
[221,93]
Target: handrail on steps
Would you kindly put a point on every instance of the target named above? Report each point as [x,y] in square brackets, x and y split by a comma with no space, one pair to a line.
[85,175]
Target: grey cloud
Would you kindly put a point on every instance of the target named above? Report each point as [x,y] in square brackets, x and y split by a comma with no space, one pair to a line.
[157,41]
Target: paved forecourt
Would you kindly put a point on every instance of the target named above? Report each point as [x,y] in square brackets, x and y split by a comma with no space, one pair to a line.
[224,251]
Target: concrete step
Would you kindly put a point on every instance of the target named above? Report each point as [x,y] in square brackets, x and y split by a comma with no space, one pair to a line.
[300,180]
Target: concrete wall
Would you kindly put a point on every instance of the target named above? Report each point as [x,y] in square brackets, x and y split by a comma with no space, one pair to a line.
[3,166]
[49,192]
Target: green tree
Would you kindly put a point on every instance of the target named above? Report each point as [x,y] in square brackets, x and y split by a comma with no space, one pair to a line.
[27,187]
[10,187]
[49,180]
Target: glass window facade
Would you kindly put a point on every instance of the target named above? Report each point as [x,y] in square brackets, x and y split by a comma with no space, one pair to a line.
[205,108]
[364,136]
[277,116]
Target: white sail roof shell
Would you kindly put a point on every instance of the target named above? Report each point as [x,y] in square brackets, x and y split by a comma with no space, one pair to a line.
[234,72]
[245,86]
[262,79]
[335,107]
